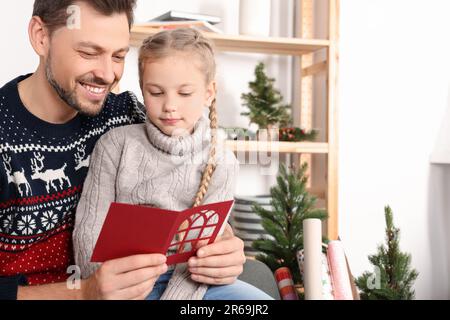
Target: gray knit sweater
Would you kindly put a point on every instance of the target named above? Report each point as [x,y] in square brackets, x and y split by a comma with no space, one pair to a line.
[140,165]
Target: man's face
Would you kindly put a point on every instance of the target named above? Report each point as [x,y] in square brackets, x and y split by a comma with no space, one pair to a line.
[83,65]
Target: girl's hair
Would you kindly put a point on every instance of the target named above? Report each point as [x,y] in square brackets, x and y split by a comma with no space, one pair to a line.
[186,41]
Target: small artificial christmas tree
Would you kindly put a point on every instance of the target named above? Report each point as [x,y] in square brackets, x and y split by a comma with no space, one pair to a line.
[265,102]
[291,204]
[393,279]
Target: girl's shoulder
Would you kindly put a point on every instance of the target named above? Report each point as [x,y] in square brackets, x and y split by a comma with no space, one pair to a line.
[117,137]
[225,156]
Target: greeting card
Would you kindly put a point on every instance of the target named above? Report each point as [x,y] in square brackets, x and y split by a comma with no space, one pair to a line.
[131,229]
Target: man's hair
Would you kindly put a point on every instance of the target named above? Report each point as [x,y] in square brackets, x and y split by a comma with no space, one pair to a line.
[54,12]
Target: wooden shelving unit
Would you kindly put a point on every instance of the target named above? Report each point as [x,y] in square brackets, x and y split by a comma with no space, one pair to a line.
[280,147]
[284,46]
[304,47]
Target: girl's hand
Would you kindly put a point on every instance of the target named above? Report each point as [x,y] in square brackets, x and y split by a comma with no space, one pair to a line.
[219,263]
[130,278]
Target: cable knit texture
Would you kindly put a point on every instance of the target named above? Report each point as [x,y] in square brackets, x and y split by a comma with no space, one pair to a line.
[140,165]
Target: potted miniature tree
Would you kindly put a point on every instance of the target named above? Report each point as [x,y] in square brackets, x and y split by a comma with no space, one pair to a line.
[291,204]
[267,110]
[393,278]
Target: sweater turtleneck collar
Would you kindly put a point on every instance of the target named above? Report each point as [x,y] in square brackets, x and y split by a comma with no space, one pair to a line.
[180,145]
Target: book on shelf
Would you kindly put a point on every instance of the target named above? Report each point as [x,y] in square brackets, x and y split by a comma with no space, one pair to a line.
[168,25]
[174,15]
[136,229]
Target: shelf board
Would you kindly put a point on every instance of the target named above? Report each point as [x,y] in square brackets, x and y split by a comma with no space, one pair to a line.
[238,43]
[277,146]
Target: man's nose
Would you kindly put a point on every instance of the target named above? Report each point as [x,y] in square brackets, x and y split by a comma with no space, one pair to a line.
[105,71]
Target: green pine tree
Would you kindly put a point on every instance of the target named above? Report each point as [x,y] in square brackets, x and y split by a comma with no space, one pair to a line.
[393,279]
[291,204]
[265,102]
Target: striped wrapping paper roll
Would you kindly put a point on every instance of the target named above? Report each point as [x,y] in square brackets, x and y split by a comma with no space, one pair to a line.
[286,284]
[339,272]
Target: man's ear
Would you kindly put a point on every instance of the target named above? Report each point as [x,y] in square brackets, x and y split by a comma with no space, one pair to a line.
[211,93]
[39,36]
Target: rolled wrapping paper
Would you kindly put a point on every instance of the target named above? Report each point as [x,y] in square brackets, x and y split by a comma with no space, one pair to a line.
[301,263]
[327,288]
[339,273]
[286,284]
[312,246]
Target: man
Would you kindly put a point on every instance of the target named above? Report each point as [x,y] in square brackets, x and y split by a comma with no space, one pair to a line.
[49,124]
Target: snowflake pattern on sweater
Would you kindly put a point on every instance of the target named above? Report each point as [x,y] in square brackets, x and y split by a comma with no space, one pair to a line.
[42,170]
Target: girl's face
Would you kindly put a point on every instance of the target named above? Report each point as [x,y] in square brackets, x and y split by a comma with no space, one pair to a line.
[175,93]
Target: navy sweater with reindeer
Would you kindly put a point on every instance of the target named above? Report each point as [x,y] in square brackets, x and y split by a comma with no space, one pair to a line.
[42,170]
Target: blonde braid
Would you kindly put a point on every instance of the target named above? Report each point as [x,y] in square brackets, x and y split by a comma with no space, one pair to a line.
[211,165]
[207,173]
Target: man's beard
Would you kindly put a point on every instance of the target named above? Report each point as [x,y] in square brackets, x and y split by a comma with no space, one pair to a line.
[70,97]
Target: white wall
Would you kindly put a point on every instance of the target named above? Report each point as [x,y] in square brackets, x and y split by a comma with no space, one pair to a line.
[394,89]
[17,56]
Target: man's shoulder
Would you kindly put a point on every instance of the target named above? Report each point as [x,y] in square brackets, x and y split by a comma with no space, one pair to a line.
[7,87]
[9,101]
[125,104]
[126,96]
[9,93]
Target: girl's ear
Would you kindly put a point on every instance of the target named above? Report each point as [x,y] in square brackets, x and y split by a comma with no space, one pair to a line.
[211,93]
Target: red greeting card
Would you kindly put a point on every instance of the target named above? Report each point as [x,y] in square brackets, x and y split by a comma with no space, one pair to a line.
[130,229]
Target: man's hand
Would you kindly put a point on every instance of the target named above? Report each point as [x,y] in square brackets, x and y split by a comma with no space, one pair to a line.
[130,278]
[219,263]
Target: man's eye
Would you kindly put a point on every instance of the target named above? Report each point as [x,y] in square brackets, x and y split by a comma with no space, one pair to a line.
[87,54]
[119,58]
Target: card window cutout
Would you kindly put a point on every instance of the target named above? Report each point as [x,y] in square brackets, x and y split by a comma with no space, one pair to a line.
[198,227]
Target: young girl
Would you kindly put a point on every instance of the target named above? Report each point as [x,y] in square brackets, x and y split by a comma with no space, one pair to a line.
[172,161]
